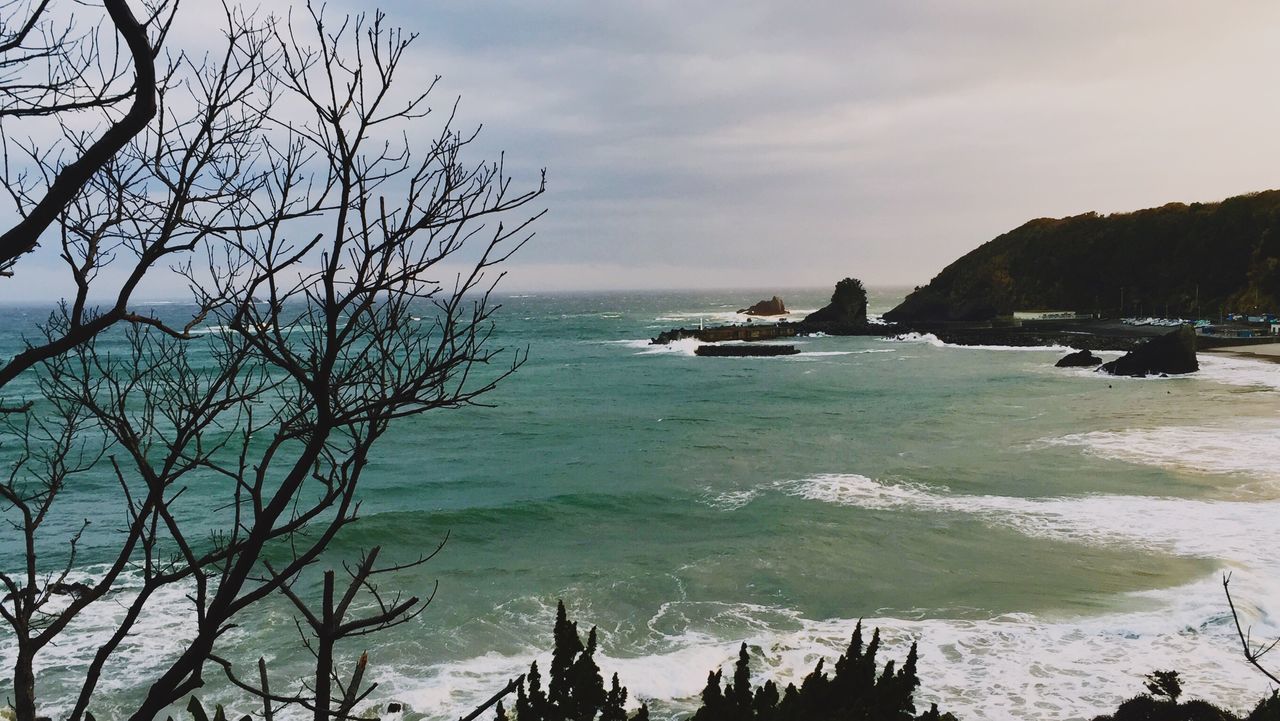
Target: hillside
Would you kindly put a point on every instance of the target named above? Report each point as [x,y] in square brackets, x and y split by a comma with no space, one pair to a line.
[1224,255]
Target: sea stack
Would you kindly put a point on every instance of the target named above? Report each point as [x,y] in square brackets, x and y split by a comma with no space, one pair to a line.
[1079,359]
[773,306]
[1174,354]
[846,314]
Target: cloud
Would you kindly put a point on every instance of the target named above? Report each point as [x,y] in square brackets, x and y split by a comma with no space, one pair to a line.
[794,143]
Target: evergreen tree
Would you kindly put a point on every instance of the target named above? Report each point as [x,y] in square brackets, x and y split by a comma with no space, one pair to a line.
[567,647]
[765,703]
[815,701]
[847,664]
[615,703]
[586,689]
[502,713]
[539,708]
[867,671]
[713,705]
[908,682]
[523,709]
[739,695]
[789,707]
[642,714]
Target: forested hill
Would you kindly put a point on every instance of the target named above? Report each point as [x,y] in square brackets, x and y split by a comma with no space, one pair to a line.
[1224,255]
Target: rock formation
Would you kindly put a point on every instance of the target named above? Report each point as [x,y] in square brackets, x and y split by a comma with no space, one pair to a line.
[773,306]
[846,314]
[1173,354]
[1179,259]
[1079,359]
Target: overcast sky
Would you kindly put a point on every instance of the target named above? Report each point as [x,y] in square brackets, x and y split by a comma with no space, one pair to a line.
[778,144]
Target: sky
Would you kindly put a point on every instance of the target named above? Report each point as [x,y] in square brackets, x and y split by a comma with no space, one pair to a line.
[781,144]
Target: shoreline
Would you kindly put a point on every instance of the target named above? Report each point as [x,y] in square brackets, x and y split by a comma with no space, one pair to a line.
[1266,352]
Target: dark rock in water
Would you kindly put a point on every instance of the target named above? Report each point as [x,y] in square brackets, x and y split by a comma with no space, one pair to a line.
[743,350]
[1174,354]
[846,314]
[773,306]
[1079,359]
[394,707]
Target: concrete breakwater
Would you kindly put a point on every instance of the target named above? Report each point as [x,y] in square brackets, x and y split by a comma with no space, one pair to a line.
[717,334]
[744,350]
[1092,334]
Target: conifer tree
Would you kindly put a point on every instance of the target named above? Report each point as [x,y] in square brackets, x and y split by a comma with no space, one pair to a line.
[586,689]
[523,709]
[713,705]
[765,703]
[539,708]
[739,694]
[642,714]
[908,682]
[615,702]
[849,663]
[867,672]
[567,647]
[789,707]
[501,714]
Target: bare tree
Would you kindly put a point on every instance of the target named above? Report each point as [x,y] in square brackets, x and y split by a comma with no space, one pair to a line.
[343,271]
[48,68]
[1253,653]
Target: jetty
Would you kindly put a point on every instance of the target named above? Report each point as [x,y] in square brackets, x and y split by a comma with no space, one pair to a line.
[718,334]
[744,350]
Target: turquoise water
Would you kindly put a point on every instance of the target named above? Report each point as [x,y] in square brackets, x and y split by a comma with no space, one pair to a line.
[1048,536]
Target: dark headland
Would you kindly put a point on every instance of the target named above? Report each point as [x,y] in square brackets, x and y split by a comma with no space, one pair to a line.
[1202,261]
[1080,282]
[1188,261]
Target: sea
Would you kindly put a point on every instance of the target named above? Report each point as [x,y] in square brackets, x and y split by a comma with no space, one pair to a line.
[1046,536]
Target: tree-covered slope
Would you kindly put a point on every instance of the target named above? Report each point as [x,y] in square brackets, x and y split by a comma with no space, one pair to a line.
[1225,255]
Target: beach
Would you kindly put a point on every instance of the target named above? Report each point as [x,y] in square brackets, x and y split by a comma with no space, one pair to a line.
[1264,352]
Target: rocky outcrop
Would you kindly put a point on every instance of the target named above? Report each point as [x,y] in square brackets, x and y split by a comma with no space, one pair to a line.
[1171,354]
[773,306]
[1179,259]
[1079,359]
[846,314]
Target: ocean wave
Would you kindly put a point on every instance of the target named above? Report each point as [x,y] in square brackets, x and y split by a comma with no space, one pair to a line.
[933,340]
[729,500]
[1248,372]
[159,633]
[1238,531]
[1250,450]
[1014,666]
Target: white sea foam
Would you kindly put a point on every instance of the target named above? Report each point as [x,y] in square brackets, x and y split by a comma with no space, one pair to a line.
[1248,372]
[723,316]
[1251,449]
[1014,666]
[933,340]
[688,346]
[1239,531]
[157,636]
[730,500]
[684,346]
